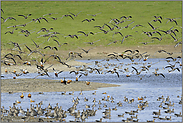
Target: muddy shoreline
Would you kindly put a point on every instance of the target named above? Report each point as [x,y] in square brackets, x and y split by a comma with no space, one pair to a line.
[46,85]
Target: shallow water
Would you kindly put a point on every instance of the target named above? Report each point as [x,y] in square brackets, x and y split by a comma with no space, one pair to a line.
[150,86]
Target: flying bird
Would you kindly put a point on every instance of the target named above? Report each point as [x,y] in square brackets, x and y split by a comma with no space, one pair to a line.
[85,33]
[51,48]
[125,37]
[25,16]
[172,20]
[11,32]
[86,51]
[89,20]
[67,15]
[137,26]
[94,14]
[72,36]
[56,73]
[75,15]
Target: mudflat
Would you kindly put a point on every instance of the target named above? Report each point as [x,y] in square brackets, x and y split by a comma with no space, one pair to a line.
[46,85]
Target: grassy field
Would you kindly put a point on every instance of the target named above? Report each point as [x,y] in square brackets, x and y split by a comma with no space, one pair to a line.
[142,12]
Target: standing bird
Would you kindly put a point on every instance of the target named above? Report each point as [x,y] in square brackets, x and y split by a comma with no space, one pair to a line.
[29,95]
[25,16]
[64,81]
[22,96]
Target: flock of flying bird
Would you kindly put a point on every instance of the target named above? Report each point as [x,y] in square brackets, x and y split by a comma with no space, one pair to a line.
[12,58]
[138,62]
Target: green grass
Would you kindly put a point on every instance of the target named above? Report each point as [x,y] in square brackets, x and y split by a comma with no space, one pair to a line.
[141,12]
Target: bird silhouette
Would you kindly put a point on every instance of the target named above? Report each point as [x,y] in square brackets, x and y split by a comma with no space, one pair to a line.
[67,15]
[125,37]
[75,15]
[85,33]
[86,51]
[89,20]
[25,16]
[8,18]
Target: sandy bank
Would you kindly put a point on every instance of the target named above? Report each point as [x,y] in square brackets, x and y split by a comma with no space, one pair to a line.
[44,85]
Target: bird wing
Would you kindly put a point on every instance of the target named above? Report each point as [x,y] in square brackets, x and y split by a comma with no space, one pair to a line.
[173,37]
[92,19]
[159,20]
[72,72]
[97,70]
[122,40]
[22,15]
[85,20]
[60,71]
[28,48]
[161,74]
[18,56]
[128,50]
[135,69]
[155,38]
[13,60]
[59,60]
[7,55]
[47,47]
[76,36]
[71,17]
[57,42]
[56,48]
[151,25]
[72,14]
[82,32]
[175,22]
[108,26]
[117,74]
[2,18]
[35,43]
[45,19]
